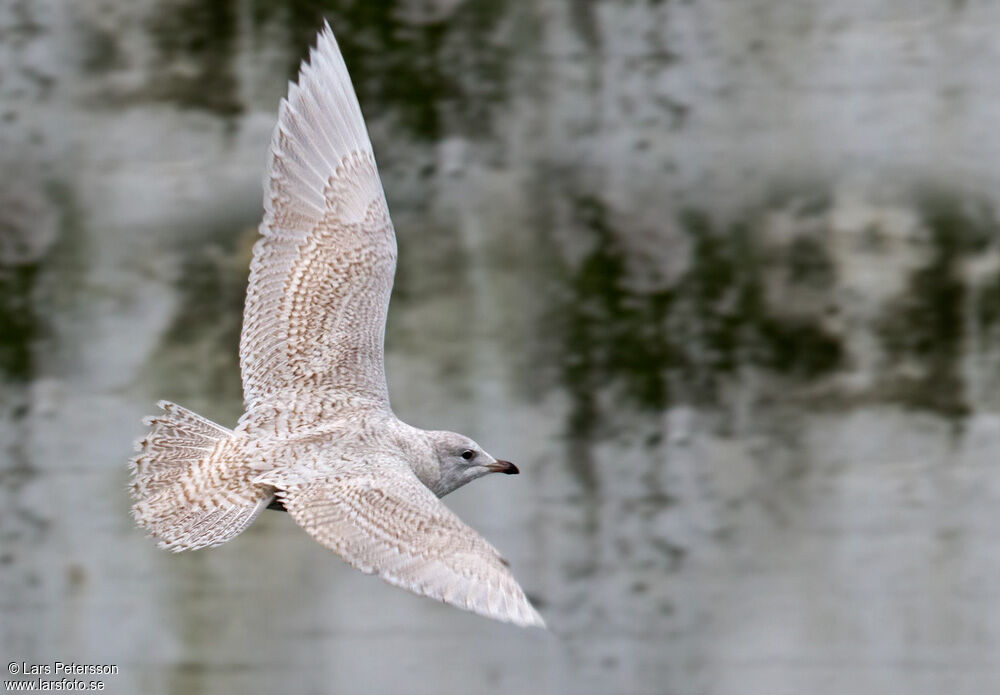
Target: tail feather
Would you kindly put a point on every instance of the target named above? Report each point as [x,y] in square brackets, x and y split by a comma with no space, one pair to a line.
[191,483]
[178,436]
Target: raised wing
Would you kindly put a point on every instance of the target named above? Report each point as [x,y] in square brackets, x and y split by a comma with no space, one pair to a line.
[321,275]
[384,521]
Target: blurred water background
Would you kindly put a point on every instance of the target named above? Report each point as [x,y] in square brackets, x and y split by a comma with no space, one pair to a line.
[723,278]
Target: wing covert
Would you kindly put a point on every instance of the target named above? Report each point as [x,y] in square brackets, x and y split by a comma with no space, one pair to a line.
[384,521]
[322,271]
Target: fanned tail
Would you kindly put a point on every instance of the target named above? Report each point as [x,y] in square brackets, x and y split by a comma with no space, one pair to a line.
[191,483]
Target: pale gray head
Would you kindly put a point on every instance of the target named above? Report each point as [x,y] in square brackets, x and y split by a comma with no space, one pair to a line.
[459,461]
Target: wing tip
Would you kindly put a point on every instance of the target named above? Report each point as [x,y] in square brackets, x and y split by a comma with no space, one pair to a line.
[537,620]
[330,122]
[327,39]
[531,618]
[518,611]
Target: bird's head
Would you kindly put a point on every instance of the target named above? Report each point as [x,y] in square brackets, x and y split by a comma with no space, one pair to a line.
[460,460]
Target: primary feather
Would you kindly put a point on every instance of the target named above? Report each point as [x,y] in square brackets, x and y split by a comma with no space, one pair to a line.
[321,275]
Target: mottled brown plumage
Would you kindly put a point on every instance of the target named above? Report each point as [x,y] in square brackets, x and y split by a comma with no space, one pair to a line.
[318,435]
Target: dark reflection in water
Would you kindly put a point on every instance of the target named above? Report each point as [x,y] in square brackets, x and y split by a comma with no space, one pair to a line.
[679,343]
[195,33]
[437,71]
[675,344]
[928,324]
[39,240]
[19,324]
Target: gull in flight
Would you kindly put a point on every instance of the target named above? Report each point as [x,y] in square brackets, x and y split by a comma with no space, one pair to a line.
[318,438]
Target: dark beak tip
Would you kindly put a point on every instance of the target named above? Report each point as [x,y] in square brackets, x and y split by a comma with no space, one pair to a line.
[509,468]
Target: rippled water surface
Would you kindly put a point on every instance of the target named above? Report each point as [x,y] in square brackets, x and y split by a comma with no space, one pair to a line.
[723,280]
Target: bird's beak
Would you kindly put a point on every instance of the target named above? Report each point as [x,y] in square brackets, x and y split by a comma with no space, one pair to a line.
[503,467]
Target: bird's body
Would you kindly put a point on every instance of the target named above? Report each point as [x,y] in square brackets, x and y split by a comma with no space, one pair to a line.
[318,437]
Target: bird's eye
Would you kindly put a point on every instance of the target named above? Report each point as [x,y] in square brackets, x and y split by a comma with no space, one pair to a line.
[468,454]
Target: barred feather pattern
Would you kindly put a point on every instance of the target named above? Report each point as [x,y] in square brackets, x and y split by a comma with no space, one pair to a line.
[321,275]
[192,483]
[384,521]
